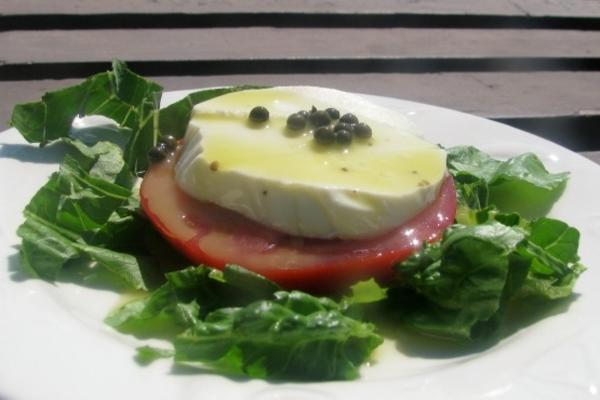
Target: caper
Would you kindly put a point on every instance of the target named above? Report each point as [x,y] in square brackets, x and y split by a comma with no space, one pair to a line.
[319,118]
[158,153]
[169,141]
[363,131]
[324,135]
[296,122]
[259,114]
[333,113]
[342,125]
[349,118]
[304,113]
[343,137]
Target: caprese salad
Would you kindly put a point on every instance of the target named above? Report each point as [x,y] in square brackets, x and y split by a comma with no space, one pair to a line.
[274,227]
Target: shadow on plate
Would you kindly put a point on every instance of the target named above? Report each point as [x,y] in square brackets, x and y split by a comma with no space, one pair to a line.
[190,369]
[52,154]
[15,271]
[521,314]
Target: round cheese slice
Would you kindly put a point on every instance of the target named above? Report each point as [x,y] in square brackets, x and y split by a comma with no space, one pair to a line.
[287,181]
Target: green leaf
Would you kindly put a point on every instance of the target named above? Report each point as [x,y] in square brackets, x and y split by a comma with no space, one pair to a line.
[523,185]
[102,160]
[44,250]
[154,315]
[51,118]
[237,322]
[122,265]
[460,281]
[145,135]
[552,250]
[520,184]
[295,336]
[207,289]
[459,288]
[368,291]
[469,160]
[75,215]
[148,354]
[117,94]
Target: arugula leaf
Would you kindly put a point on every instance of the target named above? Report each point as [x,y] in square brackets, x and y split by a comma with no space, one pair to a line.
[552,248]
[294,336]
[459,288]
[118,94]
[520,184]
[460,280]
[468,160]
[74,215]
[44,250]
[147,354]
[238,322]
[202,288]
[102,160]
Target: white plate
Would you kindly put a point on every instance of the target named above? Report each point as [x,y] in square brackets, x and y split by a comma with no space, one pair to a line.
[54,345]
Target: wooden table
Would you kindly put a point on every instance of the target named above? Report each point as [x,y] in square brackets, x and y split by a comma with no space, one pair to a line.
[532,64]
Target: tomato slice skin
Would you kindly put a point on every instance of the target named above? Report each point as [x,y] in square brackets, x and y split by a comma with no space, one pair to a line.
[208,234]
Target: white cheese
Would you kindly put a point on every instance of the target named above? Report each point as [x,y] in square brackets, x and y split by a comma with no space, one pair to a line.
[289,182]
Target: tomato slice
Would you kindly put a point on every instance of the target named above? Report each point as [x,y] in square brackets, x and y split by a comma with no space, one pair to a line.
[208,234]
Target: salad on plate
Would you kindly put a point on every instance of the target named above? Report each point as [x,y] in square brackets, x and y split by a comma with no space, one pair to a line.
[273,232]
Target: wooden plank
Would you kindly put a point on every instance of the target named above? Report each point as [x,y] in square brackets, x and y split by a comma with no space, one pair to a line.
[495,95]
[579,8]
[521,100]
[267,43]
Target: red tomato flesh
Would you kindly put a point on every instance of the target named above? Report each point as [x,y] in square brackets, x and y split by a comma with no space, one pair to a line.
[208,234]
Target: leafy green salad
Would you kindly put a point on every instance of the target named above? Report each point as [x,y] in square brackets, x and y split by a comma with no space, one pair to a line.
[85,222]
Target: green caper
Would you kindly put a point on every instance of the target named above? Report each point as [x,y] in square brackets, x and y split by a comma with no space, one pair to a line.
[169,141]
[343,137]
[296,122]
[259,114]
[324,135]
[363,131]
[333,113]
[319,118]
[303,113]
[342,125]
[349,118]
